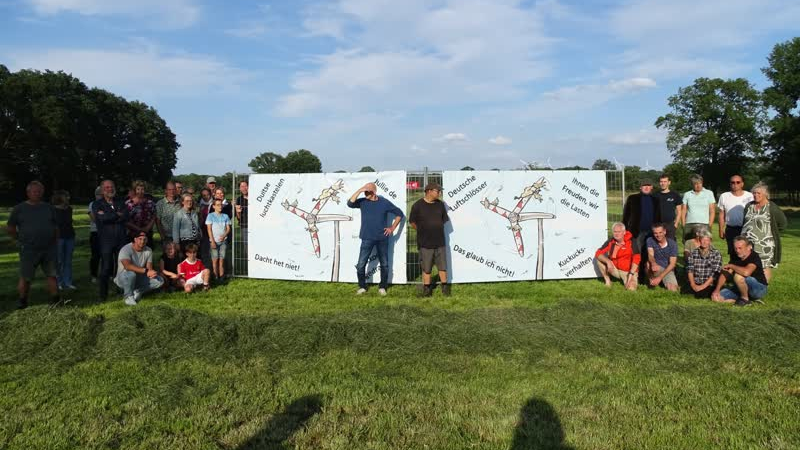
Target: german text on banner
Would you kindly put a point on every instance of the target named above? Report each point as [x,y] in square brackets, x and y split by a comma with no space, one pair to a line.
[524,225]
[300,227]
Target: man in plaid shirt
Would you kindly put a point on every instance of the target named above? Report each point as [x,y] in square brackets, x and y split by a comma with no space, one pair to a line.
[703,266]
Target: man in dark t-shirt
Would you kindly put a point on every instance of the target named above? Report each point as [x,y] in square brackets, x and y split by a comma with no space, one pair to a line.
[670,203]
[33,225]
[428,216]
[747,274]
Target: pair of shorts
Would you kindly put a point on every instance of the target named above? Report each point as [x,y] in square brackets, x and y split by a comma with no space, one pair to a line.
[430,256]
[669,278]
[30,259]
[196,280]
[219,252]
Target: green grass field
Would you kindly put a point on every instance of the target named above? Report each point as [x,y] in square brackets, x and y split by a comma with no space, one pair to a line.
[270,364]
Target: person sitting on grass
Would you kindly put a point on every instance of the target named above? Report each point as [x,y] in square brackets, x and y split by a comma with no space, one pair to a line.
[703,267]
[662,256]
[135,274]
[619,258]
[219,227]
[192,272]
[746,272]
[168,266]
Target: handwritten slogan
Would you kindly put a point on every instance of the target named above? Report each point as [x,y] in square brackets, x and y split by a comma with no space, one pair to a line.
[524,225]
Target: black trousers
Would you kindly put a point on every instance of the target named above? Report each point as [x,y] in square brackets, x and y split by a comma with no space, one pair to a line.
[108,267]
[730,234]
[94,260]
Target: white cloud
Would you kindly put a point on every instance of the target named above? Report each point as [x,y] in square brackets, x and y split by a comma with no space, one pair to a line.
[640,137]
[175,13]
[500,140]
[413,54]
[594,93]
[686,38]
[452,137]
[143,72]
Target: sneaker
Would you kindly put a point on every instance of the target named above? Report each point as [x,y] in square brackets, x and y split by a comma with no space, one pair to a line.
[130,301]
[137,295]
[382,292]
[70,286]
[759,301]
[361,291]
[446,289]
[22,303]
[742,302]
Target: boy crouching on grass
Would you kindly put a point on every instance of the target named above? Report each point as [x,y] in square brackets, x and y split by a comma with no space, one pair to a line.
[192,272]
[219,227]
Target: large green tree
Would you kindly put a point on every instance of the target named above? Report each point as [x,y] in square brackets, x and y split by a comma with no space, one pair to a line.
[782,97]
[603,164]
[267,162]
[715,127]
[55,129]
[299,161]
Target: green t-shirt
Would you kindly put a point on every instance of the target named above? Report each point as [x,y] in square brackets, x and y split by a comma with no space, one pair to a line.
[696,205]
[36,225]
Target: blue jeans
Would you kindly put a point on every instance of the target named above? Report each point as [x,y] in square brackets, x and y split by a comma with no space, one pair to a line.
[65,248]
[131,281]
[755,290]
[363,258]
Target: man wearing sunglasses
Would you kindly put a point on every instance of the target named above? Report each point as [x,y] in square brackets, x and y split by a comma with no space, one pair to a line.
[731,211]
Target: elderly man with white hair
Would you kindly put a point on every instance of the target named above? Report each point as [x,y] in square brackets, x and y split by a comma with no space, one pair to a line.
[619,257]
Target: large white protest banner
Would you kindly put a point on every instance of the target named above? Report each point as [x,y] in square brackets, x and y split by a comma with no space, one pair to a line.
[524,225]
[300,227]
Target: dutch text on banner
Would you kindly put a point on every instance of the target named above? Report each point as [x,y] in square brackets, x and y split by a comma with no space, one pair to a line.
[524,225]
[300,227]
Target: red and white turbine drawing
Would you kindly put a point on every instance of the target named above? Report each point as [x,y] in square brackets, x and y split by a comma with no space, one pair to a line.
[313,217]
[515,216]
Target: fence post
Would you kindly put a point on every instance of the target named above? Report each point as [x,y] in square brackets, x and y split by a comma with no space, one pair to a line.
[234,224]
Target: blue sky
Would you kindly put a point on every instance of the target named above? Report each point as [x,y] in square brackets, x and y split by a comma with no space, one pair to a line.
[401,84]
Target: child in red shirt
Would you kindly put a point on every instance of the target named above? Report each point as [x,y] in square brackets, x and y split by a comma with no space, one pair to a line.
[192,272]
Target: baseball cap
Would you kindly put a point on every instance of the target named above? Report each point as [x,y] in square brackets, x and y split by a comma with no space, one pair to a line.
[432,186]
[645,182]
[211,180]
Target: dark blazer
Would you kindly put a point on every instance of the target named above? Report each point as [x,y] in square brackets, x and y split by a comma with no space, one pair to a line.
[632,213]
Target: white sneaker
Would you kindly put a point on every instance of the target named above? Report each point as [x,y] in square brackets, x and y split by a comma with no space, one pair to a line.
[382,291]
[360,291]
[137,295]
[130,301]
[70,286]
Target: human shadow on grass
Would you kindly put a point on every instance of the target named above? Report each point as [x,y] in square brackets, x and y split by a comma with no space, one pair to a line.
[283,425]
[538,427]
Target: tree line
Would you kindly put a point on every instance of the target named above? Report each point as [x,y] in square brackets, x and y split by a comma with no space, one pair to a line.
[55,129]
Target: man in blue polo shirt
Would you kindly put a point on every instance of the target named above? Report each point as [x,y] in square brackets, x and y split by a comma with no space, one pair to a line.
[374,232]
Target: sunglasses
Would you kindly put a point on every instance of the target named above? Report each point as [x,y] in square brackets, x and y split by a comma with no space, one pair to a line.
[736,182]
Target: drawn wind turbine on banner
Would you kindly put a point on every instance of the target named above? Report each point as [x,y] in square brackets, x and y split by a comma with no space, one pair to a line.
[313,217]
[515,216]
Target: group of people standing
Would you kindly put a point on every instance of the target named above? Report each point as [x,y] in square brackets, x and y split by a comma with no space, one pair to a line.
[191,230]
[644,249]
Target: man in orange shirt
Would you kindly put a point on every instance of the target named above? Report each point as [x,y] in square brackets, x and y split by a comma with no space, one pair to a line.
[619,258]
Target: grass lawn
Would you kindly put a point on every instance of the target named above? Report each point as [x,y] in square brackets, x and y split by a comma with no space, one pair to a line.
[273,364]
